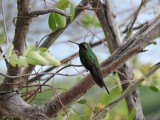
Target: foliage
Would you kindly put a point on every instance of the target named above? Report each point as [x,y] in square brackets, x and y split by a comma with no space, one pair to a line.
[89,20]
[33,56]
[56,20]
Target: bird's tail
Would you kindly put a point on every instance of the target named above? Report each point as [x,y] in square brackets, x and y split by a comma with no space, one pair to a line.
[97,77]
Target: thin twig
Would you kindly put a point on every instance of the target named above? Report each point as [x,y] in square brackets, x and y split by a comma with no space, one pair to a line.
[42,73]
[5,29]
[92,21]
[135,28]
[130,28]
[45,83]
[35,13]
[89,30]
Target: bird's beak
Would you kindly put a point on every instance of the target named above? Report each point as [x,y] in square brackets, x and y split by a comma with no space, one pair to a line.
[73,42]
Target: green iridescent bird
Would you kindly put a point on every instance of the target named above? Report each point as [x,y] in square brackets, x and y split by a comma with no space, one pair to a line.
[90,62]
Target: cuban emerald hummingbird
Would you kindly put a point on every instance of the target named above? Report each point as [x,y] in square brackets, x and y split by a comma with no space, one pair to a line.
[90,62]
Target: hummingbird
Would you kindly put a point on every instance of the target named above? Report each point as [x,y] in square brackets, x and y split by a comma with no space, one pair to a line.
[90,62]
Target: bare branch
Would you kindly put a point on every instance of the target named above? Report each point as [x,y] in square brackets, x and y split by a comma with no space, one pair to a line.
[135,28]
[130,28]
[5,30]
[35,13]
[14,107]
[38,74]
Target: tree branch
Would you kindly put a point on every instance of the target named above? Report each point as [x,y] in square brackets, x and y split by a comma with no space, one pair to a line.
[14,107]
[130,27]
[35,13]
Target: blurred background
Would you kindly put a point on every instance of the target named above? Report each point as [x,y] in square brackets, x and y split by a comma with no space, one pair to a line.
[81,29]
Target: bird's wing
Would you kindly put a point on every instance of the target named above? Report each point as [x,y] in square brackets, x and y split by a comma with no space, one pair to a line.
[93,61]
[94,68]
[97,77]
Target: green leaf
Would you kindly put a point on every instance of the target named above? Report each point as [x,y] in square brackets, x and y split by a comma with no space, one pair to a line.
[132,114]
[13,59]
[42,49]
[96,24]
[60,20]
[87,19]
[31,48]
[52,21]
[56,20]
[50,58]
[82,101]
[153,88]
[34,58]
[72,10]
[22,62]
[62,4]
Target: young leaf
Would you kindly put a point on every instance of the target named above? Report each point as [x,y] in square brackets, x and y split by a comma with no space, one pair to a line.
[153,88]
[34,58]
[60,20]
[13,59]
[82,101]
[42,49]
[87,20]
[62,4]
[31,48]
[50,58]
[22,62]
[52,21]
[96,24]
[72,10]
